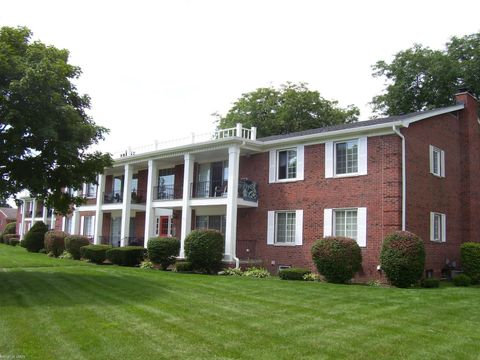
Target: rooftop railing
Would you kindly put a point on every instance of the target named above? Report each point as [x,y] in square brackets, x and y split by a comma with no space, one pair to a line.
[238,131]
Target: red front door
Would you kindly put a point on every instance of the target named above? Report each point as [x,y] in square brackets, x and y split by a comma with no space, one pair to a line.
[163,226]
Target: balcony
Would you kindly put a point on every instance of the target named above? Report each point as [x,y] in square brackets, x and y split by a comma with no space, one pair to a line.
[247,190]
[167,192]
[113,197]
[139,197]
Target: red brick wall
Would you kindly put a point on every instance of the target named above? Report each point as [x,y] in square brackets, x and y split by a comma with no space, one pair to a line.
[140,225]
[142,183]
[379,191]
[178,187]
[107,220]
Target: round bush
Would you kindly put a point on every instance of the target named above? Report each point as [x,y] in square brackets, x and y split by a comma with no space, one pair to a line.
[470,256]
[337,258]
[430,283]
[293,274]
[73,243]
[126,256]
[204,250]
[7,239]
[10,229]
[95,253]
[403,258]
[462,280]
[34,237]
[183,266]
[54,242]
[163,251]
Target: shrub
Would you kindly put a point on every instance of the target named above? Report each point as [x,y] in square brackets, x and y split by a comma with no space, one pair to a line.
[34,237]
[462,280]
[22,244]
[94,253]
[163,251]
[311,277]
[430,283]
[183,266]
[73,243]
[14,242]
[337,258]
[1,237]
[8,238]
[232,272]
[146,265]
[42,251]
[293,274]
[126,256]
[403,258]
[256,272]
[204,250]
[66,255]
[10,229]
[54,242]
[470,256]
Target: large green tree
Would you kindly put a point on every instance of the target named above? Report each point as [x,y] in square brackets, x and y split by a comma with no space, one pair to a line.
[420,78]
[45,131]
[290,108]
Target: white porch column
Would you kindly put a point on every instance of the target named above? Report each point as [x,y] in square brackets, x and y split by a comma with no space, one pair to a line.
[53,220]
[22,225]
[98,210]
[34,211]
[126,205]
[186,209]
[76,219]
[45,215]
[232,200]
[149,212]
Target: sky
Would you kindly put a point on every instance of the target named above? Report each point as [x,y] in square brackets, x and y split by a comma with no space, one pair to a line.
[158,70]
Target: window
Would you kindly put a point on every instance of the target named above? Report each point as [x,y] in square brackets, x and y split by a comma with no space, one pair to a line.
[68,225]
[211,222]
[91,190]
[437,161]
[166,182]
[285,227]
[438,227]
[346,157]
[287,164]
[88,226]
[345,223]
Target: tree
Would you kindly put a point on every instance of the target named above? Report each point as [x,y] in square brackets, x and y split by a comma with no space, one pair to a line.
[45,132]
[292,107]
[420,78]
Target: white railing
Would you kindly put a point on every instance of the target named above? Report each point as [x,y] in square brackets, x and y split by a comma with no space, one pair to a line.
[238,131]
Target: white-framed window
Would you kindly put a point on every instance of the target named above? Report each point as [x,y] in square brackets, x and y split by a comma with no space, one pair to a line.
[438,227]
[211,222]
[437,161]
[68,225]
[285,227]
[346,157]
[348,222]
[88,225]
[286,164]
[90,190]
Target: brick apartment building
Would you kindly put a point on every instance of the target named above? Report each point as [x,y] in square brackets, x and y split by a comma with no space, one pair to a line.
[419,172]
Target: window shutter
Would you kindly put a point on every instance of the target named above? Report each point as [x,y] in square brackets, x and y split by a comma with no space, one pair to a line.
[431,159]
[362,226]
[271,227]
[299,227]
[327,222]
[362,156]
[272,177]
[82,222]
[329,159]
[444,228]
[432,226]
[442,162]
[300,162]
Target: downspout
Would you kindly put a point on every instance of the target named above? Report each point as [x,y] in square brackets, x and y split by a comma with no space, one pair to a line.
[404,179]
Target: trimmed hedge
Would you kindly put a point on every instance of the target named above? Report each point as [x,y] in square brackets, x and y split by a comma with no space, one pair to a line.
[462,280]
[126,256]
[14,242]
[337,258]
[35,236]
[7,239]
[163,251]
[95,253]
[204,250]
[403,258]
[293,274]
[73,243]
[470,256]
[183,266]
[10,229]
[54,242]
[430,283]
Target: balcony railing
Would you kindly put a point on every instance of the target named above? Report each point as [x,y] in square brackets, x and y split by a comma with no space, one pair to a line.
[247,189]
[167,192]
[138,197]
[113,197]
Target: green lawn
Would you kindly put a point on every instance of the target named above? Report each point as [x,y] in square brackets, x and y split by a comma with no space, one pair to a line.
[65,309]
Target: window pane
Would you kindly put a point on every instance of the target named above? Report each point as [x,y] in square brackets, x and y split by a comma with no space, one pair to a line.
[437,223]
[290,230]
[282,165]
[292,164]
[285,227]
[346,157]
[281,226]
[346,223]
[214,222]
[201,222]
[436,162]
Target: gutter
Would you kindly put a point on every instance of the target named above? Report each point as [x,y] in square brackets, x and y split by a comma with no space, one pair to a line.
[404,178]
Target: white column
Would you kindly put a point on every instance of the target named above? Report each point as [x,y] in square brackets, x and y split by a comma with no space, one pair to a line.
[186,209]
[149,212]
[34,210]
[98,210]
[45,215]
[53,220]
[22,225]
[126,205]
[76,219]
[232,200]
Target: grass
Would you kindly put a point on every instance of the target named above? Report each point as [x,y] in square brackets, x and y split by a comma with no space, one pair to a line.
[65,309]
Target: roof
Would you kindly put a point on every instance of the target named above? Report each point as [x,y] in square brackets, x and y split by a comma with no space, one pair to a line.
[10,213]
[406,118]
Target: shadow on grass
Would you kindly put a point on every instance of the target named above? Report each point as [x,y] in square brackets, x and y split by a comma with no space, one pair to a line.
[20,288]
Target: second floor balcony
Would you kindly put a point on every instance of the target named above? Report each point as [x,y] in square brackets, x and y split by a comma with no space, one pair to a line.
[116,197]
[247,189]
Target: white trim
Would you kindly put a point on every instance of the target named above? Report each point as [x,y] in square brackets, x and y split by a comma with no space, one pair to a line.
[441,161]
[300,162]
[362,226]
[274,165]
[329,159]
[362,156]
[272,174]
[327,222]
[299,227]
[442,230]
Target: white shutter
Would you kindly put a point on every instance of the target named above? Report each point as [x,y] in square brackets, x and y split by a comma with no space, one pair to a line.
[272,176]
[329,159]
[299,227]
[442,162]
[431,158]
[82,222]
[327,222]
[432,226]
[444,228]
[300,162]
[362,156]
[271,228]
[362,226]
